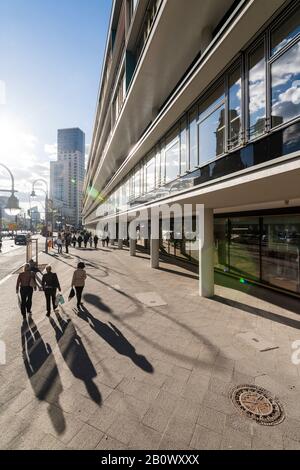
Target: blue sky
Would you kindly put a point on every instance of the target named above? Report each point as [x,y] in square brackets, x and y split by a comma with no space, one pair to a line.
[51,56]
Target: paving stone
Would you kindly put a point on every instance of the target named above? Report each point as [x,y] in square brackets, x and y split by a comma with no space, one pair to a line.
[87,438]
[235,440]
[11,426]
[144,392]
[123,428]
[290,444]
[218,403]
[145,438]
[205,439]
[186,410]
[211,419]
[169,444]
[180,430]
[50,442]
[240,423]
[156,418]
[103,418]
[108,443]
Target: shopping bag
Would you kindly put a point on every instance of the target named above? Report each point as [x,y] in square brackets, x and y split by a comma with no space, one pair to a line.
[72,293]
[60,299]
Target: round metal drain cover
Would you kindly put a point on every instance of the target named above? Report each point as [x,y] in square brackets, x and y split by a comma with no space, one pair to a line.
[258,404]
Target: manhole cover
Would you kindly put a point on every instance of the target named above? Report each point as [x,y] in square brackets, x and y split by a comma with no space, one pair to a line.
[258,404]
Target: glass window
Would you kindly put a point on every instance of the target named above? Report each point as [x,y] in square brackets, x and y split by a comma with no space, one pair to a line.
[245,247]
[285,79]
[172,154]
[212,126]
[193,139]
[257,92]
[281,251]
[285,32]
[183,146]
[234,108]
[137,183]
[158,166]
[150,175]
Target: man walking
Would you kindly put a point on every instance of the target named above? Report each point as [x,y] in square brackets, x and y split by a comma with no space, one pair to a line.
[26,283]
[96,238]
[50,283]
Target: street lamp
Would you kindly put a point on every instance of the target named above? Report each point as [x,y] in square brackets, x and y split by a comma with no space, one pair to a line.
[33,194]
[12,206]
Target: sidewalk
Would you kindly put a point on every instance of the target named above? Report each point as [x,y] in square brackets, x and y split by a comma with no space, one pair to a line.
[147,364]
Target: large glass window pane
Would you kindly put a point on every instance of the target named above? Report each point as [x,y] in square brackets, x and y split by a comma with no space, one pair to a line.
[234,108]
[150,175]
[285,32]
[137,183]
[281,251]
[285,78]
[212,135]
[172,154]
[245,247]
[158,166]
[193,139]
[183,146]
[221,244]
[212,126]
[257,92]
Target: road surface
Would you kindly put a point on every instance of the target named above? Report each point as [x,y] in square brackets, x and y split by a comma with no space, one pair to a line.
[13,256]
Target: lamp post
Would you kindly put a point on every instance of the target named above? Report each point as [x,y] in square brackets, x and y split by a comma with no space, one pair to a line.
[33,194]
[12,206]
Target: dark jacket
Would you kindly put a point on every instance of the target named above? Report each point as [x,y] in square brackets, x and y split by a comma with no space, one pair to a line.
[50,281]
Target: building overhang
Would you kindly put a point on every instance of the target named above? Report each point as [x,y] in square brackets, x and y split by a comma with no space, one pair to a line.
[151,82]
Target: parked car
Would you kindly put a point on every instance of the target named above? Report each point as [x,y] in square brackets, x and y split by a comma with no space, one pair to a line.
[21,239]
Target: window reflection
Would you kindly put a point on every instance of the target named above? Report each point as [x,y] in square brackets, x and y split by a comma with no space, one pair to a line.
[234,108]
[257,92]
[212,126]
[172,157]
[285,77]
[193,139]
[150,175]
[183,146]
[285,32]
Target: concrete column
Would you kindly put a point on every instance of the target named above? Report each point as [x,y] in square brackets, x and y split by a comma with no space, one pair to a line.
[206,255]
[120,244]
[132,246]
[206,38]
[154,253]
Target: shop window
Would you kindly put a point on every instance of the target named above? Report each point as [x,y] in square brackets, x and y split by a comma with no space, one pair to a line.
[172,155]
[193,139]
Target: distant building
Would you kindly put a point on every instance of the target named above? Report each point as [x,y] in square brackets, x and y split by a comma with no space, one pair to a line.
[67,174]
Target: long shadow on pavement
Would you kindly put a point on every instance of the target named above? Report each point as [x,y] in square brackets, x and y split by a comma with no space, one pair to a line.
[75,355]
[115,338]
[42,371]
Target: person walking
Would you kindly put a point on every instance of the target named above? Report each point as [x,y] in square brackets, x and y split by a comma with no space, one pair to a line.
[25,284]
[107,240]
[80,240]
[96,238]
[78,281]
[50,284]
[67,241]
[59,244]
[74,240]
[91,241]
[85,240]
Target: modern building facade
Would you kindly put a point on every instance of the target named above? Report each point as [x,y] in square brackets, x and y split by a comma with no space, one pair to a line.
[199,103]
[67,174]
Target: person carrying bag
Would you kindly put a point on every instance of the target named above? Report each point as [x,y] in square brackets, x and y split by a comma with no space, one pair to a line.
[50,284]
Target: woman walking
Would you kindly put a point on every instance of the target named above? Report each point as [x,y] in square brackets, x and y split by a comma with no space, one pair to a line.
[74,240]
[50,283]
[26,283]
[78,281]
